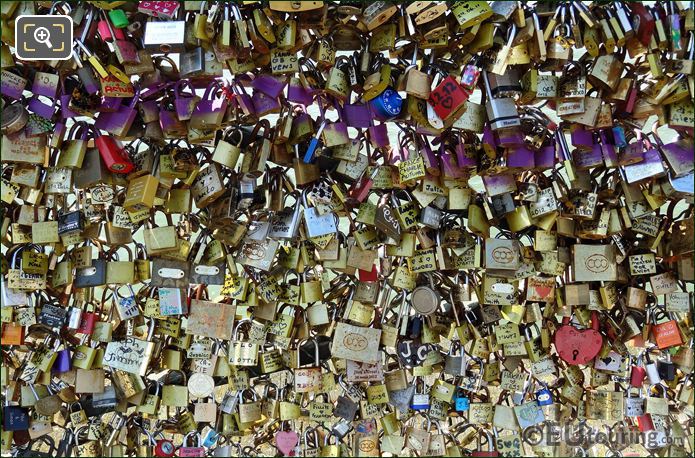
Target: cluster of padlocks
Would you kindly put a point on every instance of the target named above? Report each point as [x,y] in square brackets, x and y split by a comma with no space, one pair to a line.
[343,228]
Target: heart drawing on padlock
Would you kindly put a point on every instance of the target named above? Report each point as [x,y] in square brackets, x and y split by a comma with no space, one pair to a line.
[286,441]
[542,290]
[578,346]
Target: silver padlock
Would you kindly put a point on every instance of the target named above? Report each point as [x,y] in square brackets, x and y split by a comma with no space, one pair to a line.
[501,112]
[431,217]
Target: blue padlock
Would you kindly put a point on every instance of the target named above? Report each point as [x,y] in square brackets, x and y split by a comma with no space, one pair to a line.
[210,438]
[544,397]
[462,403]
[387,105]
[619,137]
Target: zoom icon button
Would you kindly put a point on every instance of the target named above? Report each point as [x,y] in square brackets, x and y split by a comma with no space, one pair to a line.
[43,37]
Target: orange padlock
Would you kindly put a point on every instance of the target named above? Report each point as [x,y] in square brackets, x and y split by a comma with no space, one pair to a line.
[667,334]
[12,334]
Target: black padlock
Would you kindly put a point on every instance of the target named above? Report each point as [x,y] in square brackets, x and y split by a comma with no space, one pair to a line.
[52,316]
[346,408]
[306,351]
[666,368]
[70,222]
[94,275]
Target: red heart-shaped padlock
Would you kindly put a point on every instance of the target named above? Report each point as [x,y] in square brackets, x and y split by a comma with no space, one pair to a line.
[578,346]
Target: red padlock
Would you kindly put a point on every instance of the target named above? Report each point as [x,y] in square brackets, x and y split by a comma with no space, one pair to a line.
[164,447]
[360,190]
[645,19]
[645,423]
[575,346]
[638,373]
[369,275]
[87,323]
[491,451]
[113,154]
[448,97]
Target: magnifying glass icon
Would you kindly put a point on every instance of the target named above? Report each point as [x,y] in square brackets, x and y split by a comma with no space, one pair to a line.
[43,36]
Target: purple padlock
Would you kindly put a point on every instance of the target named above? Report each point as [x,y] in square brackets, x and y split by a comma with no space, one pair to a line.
[110,104]
[430,158]
[171,126]
[544,157]
[45,84]
[651,167]
[581,138]
[378,135]
[298,93]
[210,111]
[679,156]
[118,123]
[633,153]
[521,158]
[243,99]
[585,160]
[465,155]
[496,182]
[450,168]
[263,104]
[62,362]
[489,141]
[42,109]
[65,111]
[610,155]
[509,138]
[270,85]
[149,110]
[184,102]
[357,115]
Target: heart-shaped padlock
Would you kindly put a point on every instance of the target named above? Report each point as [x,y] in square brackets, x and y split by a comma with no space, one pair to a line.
[578,346]
[286,441]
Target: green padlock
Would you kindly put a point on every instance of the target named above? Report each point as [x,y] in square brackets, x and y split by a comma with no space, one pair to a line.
[118,19]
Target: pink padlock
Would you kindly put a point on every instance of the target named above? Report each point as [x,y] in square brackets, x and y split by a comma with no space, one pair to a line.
[105,31]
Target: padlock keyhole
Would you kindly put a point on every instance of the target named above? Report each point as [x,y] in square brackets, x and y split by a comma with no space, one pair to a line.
[575,353]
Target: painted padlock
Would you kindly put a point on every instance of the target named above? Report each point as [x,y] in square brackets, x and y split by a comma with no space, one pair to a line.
[577,346]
